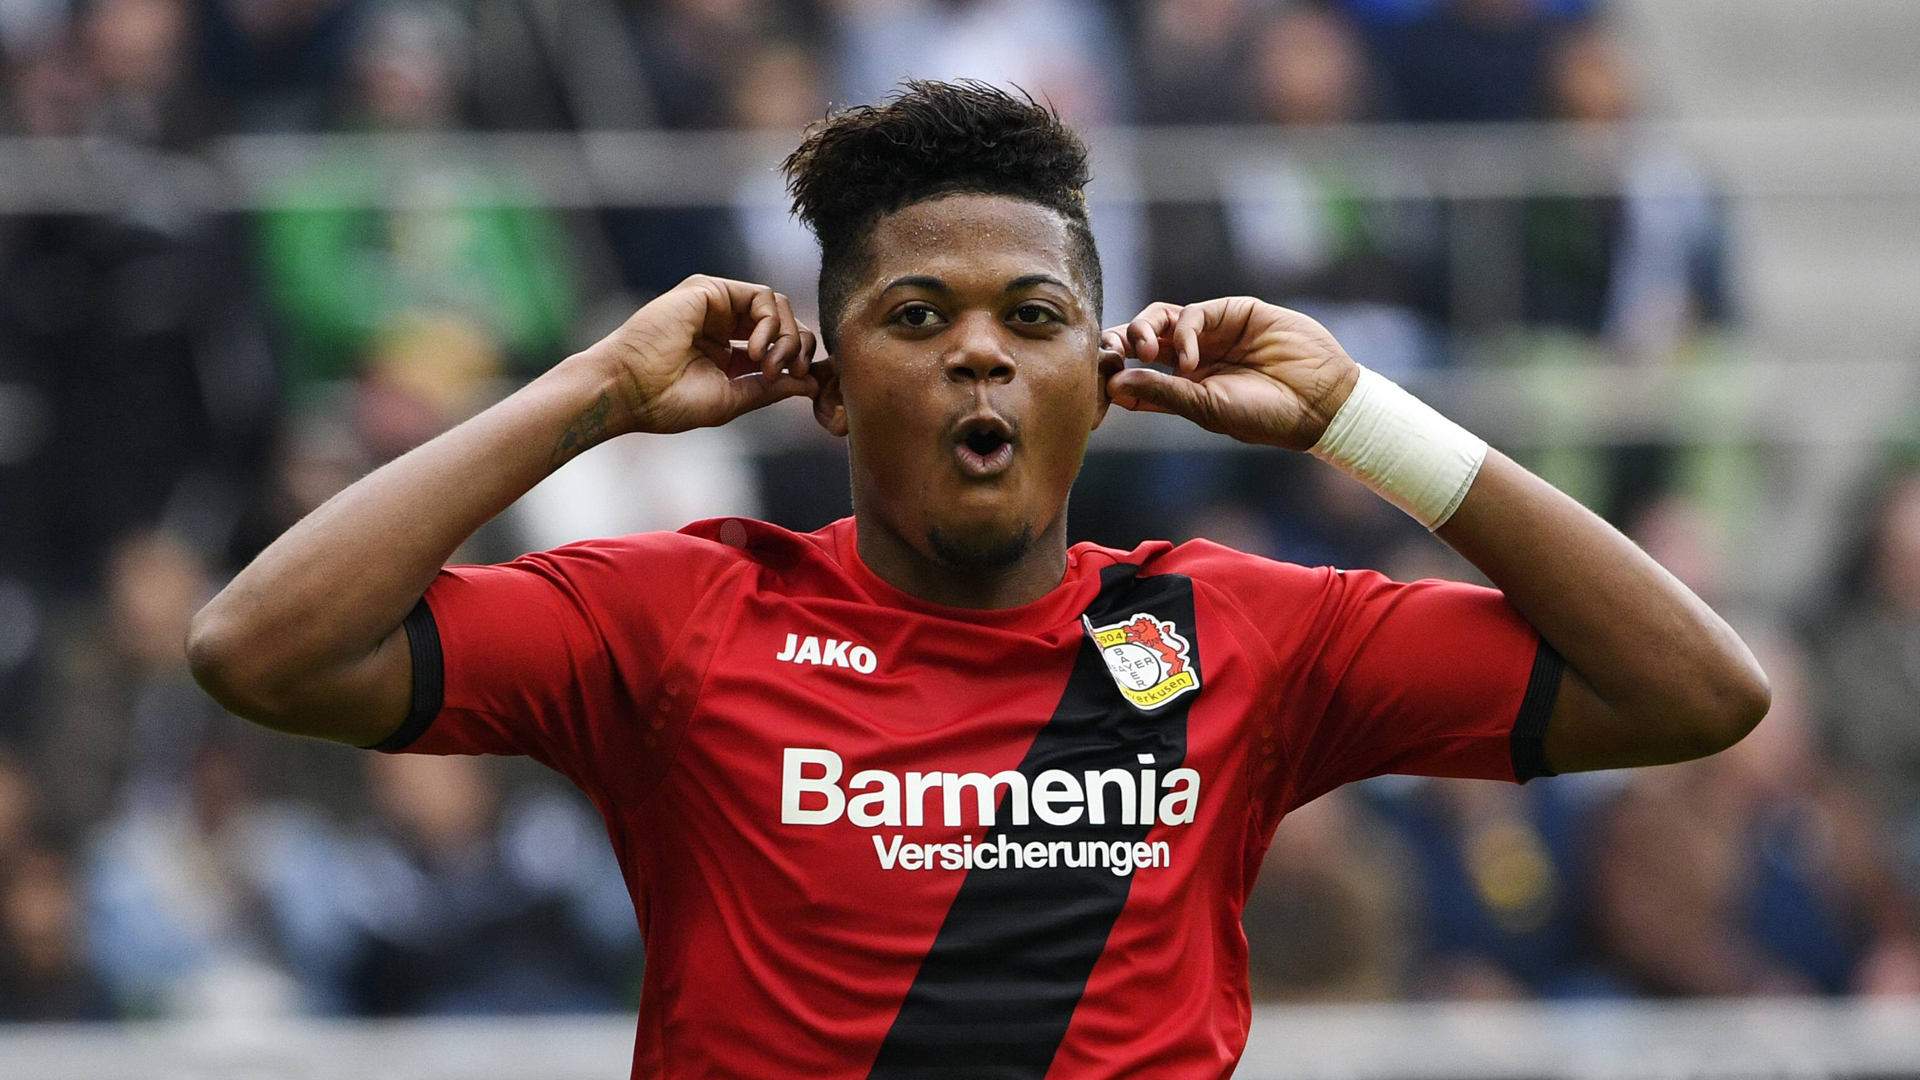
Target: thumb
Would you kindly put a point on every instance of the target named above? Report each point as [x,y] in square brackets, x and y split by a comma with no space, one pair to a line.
[1147,390]
[755,391]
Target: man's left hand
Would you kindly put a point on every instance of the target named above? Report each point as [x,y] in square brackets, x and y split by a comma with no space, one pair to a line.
[1239,366]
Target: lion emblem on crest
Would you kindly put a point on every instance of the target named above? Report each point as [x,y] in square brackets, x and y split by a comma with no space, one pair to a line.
[1147,657]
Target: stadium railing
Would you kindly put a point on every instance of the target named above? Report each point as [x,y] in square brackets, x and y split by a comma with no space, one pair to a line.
[1785,1039]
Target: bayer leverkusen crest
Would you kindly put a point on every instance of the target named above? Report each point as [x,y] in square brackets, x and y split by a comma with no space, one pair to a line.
[1147,658]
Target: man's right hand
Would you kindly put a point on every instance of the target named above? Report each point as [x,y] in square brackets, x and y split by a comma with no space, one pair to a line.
[674,364]
[309,638]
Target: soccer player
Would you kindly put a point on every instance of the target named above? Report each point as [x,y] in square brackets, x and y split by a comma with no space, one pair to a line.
[930,792]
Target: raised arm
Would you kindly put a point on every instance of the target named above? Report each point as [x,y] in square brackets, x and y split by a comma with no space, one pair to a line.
[1653,674]
[308,639]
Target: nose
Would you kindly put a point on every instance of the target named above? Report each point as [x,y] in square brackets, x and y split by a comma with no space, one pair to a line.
[979,352]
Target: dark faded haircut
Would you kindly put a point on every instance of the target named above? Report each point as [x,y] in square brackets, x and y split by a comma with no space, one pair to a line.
[932,139]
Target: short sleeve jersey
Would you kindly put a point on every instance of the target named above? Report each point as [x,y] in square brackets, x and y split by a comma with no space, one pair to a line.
[870,836]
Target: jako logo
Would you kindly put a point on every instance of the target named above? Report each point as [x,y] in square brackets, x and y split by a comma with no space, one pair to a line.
[835,653]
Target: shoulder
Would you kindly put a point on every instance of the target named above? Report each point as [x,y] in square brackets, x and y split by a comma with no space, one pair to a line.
[713,543]
[656,566]
[1232,569]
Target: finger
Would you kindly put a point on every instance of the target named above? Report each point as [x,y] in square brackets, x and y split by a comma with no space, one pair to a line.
[1186,337]
[1149,327]
[738,310]
[808,343]
[786,343]
[724,303]
[1147,390]
[765,329]
[1143,337]
[1114,338]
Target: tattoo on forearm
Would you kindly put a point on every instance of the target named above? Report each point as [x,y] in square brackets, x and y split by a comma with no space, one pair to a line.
[586,431]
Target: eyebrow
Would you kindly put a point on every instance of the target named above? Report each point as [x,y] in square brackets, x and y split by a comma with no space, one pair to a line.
[934,284]
[1026,280]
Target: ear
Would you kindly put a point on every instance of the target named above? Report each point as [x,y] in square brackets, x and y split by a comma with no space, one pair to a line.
[1107,364]
[829,407]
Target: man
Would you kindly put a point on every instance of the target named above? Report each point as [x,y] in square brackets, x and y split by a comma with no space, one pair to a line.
[930,792]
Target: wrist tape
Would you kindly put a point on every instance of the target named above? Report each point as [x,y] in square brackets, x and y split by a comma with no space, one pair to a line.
[1403,449]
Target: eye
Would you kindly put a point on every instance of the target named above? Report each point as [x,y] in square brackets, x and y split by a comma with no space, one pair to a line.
[917,316]
[1035,315]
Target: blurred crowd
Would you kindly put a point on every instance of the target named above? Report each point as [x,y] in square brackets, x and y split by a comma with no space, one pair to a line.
[179,381]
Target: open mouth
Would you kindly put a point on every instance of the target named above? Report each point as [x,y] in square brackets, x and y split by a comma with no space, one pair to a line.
[984,447]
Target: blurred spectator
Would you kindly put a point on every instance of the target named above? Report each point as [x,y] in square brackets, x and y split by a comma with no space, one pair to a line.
[27,26]
[277,65]
[1756,871]
[20,642]
[44,975]
[643,482]
[122,712]
[646,482]
[689,49]
[1386,13]
[1194,71]
[203,901]
[1467,60]
[540,68]
[137,330]
[1371,269]
[48,92]
[367,256]
[1326,920]
[1870,689]
[777,89]
[1049,48]
[1643,268]
[19,810]
[1495,871]
[689,55]
[137,53]
[476,903]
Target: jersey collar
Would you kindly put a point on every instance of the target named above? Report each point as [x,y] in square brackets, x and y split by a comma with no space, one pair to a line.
[1062,604]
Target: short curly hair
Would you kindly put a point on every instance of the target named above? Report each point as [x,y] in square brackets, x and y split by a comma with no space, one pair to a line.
[932,139]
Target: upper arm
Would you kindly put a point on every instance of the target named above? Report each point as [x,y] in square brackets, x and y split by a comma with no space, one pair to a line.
[1432,678]
[507,659]
[1372,676]
[358,701]
[553,655]
[1586,732]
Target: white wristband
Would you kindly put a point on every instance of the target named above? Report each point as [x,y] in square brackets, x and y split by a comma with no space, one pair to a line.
[1403,449]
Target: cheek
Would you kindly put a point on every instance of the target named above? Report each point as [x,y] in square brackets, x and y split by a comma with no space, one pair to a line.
[1068,401]
[888,419]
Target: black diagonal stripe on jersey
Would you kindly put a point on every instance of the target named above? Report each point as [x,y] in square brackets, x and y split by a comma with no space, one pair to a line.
[997,989]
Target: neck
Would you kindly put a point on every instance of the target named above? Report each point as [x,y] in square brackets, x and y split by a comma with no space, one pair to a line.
[905,567]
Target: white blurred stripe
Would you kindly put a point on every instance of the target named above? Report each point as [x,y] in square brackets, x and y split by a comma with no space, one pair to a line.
[1788,1038]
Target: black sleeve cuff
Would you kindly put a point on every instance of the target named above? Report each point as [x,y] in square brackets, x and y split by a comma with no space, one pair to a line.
[429,674]
[1530,727]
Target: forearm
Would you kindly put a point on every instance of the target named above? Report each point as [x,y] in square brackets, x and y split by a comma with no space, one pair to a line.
[306,637]
[1653,675]
[1668,679]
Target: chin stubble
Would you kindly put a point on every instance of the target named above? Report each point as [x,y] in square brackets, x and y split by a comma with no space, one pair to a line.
[996,554]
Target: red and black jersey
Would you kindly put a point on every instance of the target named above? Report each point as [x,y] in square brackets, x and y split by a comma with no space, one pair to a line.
[869,836]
